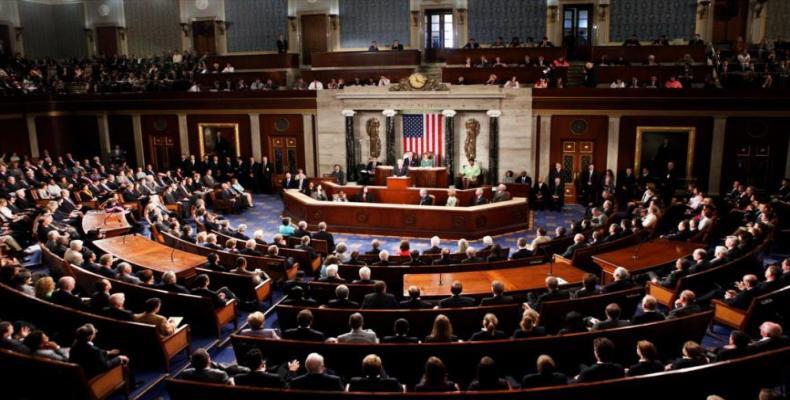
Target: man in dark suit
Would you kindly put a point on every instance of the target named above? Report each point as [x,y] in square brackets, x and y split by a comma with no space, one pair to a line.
[116,310]
[374,380]
[365,196]
[288,182]
[579,242]
[341,300]
[524,179]
[219,297]
[557,172]
[368,174]
[7,340]
[552,293]
[700,263]
[471,257]
[742,298]
[92,359]
[400,169]
[322,234]
[303,331]
[425,198]
[456,300]
[282,44]
[541,195]
[296,297]
[771,338]
[604,369]
[557,194]
[649,312]
[435,249]
[64,296]
[170,283]
[590,182]
[480,198]
[380,298]
[258,376]
[622,281]
[316,377]
[202,370]
[498,295]
[414,301]
[401,333]
[685,305]
[523,251]
[669,182]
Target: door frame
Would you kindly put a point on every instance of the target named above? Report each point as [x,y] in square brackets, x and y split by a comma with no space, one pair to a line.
[590,6]
[300,36]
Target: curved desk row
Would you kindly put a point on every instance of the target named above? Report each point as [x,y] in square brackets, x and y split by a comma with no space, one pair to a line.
[410,220]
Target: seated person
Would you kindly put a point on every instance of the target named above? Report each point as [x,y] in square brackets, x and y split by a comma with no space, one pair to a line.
[303,330]
[316,377]
[487,377]
[579,242]
[92,359]
[523,250]
[296,297]
[489,331]
[648,360]
[400,169]
[612,319]
[649,312]
[401,330]
[425,198]
[605,368]
[434,379]
[380,299]
[256,322]
[414,302]
[202,371]
[373,381]
[470,173]
[358,334]
[547,374]
[341,300]
[257,376]
[456,300]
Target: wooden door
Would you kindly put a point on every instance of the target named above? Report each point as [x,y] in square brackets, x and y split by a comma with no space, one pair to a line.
[729,20]
[284,154]
[577,21]
[203,37]
[314,36]
[107,41]
[5,42]
[164,154]
[576,156]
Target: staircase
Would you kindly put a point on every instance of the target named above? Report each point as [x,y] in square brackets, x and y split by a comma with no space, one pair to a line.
[575,75]
[431,70]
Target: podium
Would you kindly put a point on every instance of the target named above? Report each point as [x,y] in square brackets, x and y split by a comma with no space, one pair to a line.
[398,182]
[423,177]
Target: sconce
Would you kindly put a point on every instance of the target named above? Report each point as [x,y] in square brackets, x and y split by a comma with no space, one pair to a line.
[704,6]
[18,30]
[333,21]
[415,18]
[292,22]
[758,7]
[553,6]
[89,34]
[122,33]
[185,28]
[461,16]
[602,6]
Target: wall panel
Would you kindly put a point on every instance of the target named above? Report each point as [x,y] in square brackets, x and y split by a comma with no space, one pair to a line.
[649,19]
[152,26]
[75,134]
[597,131]
[362,21]
[17,129]
[53,30]
[755,152]
[489,19]
[777,17]
[245,140]
[256,24]
[122,135]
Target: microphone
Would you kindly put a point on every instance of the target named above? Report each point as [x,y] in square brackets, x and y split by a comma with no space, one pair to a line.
[171,254]
[551,260]
[441,279]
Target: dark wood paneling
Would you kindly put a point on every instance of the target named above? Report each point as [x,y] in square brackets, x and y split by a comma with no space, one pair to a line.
[16,139]
[159,125]
[755,152]
[639,54]
[75,134]
[257,61]
[283,125]
[5,36]
[207,80]
[245,141]
[122,134]
[203,37]
[644,73]
[729,19]
[314,36]
[365,58]
[507,55]
[597,132]
[704,126]
[107,40]
[325,75]
[525,75]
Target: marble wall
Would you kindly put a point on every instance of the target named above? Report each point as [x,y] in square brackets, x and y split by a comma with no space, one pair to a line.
[515,124]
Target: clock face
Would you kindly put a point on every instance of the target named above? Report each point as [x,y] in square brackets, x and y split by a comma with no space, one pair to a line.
[417,80]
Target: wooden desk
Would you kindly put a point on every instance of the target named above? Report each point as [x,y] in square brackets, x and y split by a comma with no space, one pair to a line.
[146,253]
[643,257]
[366,58]
[111,224]
[398,182]
[639,54]
[408,196]
[507,55]
[410,220]
[424,177]
[479,282]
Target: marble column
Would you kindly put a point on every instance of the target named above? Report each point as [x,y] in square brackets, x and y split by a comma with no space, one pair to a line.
[255,135]
[183,133]
[613,144]
[716,154]
[449,143]
[137,128]
[32,135]
[390,134]
[104,134]
[351,166]
[493,146]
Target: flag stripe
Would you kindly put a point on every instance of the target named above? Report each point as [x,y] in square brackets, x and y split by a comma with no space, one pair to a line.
[424,133]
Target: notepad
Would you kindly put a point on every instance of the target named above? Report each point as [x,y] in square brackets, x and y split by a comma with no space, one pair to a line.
[175,321]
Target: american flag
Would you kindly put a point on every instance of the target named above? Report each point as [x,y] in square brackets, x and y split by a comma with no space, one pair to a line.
[424,133]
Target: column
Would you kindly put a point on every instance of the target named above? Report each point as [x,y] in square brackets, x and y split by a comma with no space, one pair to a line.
[309,146]
[390,134]
[137,128]
[32,135]
[104,134]
[493,146]
[545,145]
[787,163]
[255,135]
[183,133]
[449,143]
[613,143]
[351,166]
[716,154]
[533,169]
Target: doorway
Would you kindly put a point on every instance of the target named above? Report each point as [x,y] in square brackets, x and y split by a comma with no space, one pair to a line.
[284,154]
[6,51]
[163,152]
[577,21]
[203,37]
[439,34]
[314,36]
[576,156]
[729,20]
[107,41]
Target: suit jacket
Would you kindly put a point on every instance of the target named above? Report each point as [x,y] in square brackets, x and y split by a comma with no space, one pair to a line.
[479,201]
[403,171]
[400,339]
[342,303]
[521,253]
[684,311]
[617,286]
[374,384]
[92,359]
[67,299]
[643,318]
[306,334]
[327,237]
[457,301]
[540,380]
[379,300]
[433,250]
[414,304]
[317,382]
[365,198]
[600,372]
[496,300]
[14,345]
[208,375]
[572,248]
[610,324]
[644,368]
[260,379]
[426,201]
[117,313]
